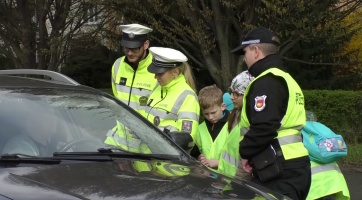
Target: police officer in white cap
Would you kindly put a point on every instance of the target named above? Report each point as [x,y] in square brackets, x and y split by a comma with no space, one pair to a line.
[173,106]
[131,82]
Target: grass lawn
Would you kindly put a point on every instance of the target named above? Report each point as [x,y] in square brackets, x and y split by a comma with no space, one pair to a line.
[354,156]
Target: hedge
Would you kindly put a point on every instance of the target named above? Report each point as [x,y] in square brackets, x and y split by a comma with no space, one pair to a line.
[339,110]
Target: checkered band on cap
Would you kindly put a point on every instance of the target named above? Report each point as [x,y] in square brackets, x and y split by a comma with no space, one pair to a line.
[251,42]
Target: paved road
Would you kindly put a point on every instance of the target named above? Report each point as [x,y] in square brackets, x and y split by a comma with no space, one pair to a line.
[353,177]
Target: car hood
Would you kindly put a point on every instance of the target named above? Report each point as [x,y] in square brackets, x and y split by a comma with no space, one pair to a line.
[123,179]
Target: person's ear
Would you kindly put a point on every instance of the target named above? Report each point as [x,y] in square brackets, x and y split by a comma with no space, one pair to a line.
[176,72]
[223,106]
[146,44]
[256,52]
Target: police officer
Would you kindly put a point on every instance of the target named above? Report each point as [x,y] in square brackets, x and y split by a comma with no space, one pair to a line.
[272,118]
[131,82]
[173,106]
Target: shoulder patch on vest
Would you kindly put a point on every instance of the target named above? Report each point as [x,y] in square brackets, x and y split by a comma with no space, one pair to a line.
[186,126]
[260,103]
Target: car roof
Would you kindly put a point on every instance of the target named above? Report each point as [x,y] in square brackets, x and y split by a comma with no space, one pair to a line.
[8,80]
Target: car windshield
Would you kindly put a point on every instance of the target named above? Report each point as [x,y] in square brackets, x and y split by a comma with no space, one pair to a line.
[39,122]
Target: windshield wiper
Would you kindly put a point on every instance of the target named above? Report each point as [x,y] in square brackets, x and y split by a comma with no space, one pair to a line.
[27,159]
[115,152]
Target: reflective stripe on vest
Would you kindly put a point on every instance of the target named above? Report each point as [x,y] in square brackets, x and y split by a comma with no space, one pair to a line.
[116,66]
[180,100]
[230,159]
[123,141]
[163,114]
[244,130]
[284,140]
[188,115]
[167,115]
[135,91]
[325,168]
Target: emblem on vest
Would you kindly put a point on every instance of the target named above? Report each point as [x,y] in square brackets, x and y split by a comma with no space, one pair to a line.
[123,81]
[156,121]
[186,126]
[143,100]
[260,103]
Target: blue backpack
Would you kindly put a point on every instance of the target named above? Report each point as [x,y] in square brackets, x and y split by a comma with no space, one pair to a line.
[324,146]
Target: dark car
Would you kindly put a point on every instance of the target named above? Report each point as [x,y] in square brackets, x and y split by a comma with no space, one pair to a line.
[55,144]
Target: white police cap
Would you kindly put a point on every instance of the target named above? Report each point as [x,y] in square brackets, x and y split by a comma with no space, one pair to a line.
[134,35]
[164,59]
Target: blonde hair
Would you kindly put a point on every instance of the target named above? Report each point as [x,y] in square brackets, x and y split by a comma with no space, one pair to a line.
[267,48]
[210,96]
[185,69]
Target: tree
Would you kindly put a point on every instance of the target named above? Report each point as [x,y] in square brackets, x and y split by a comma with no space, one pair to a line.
[353,46]
[36,33]
[206,31]
[89,63]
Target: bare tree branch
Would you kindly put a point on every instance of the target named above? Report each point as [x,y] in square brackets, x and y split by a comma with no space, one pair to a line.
[188,54]
[289,46]
[314,63]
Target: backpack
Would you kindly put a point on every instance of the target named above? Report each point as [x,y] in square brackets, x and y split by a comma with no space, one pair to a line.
[323,145]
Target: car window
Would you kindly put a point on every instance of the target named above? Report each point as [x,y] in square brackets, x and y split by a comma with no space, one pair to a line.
[42,121]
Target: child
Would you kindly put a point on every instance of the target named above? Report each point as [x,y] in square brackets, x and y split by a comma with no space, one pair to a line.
[209,142]
[231,148]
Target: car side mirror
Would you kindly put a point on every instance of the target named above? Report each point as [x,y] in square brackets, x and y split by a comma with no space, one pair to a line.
[183,139]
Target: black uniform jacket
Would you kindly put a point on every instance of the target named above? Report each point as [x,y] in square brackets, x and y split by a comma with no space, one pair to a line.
[265,123]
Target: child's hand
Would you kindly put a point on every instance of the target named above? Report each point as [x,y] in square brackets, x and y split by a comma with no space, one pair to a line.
[212,163]
[203,160]
[202,157]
